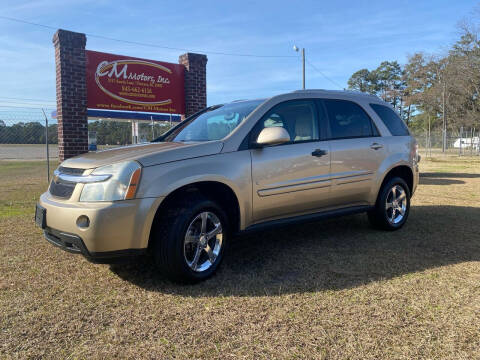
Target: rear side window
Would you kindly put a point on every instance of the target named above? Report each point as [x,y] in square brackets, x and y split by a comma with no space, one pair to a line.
[391,120]
[348,120]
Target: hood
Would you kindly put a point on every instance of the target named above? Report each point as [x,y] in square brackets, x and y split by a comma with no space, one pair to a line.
[147,154]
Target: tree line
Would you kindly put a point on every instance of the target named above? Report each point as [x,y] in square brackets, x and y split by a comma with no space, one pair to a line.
[437,91]
[27,133]
[120,132]
[107,132]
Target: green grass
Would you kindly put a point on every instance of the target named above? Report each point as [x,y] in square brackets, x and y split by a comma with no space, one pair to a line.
[329,290]
[23,182]
[7,211]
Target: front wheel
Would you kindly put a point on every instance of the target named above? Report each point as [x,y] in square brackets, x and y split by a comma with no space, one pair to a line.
[392,206]
[190,241]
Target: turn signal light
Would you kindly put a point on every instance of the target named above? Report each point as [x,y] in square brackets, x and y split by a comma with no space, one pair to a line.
[132,187]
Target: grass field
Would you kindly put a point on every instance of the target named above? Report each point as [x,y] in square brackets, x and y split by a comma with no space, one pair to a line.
[333,289]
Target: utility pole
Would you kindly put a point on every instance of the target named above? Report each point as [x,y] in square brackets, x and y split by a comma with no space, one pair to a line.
[303,64]
[429,137]
[401,107]
[303,68]
[444,145]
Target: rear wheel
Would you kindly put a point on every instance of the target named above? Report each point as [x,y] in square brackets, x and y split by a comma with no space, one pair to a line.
[190,241]
[392,206]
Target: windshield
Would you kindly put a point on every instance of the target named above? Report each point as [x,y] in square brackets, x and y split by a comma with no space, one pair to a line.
[214,124]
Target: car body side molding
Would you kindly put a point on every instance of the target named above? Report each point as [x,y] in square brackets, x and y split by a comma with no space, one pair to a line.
[306,218]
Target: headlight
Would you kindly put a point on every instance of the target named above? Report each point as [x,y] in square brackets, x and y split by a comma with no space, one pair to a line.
[121,184]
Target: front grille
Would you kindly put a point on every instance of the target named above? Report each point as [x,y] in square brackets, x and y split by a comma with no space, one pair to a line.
[61,190]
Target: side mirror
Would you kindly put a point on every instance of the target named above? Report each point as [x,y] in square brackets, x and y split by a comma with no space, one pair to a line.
[273,136]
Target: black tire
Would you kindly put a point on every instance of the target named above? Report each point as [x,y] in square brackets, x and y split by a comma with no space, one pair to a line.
[380,217]
[169,235]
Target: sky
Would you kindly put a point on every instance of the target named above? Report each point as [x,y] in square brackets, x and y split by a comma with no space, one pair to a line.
[339,37]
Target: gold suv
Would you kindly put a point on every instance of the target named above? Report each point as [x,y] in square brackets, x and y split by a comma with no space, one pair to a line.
[231,168]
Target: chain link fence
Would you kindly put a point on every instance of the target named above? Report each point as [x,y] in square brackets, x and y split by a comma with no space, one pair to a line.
[30,134]
[25,133]
[456,142]
[111,133]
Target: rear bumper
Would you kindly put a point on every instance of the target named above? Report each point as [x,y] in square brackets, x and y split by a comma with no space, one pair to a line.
[74,244]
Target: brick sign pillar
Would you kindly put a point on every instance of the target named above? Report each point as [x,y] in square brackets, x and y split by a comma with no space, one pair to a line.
[195,82]
[70,67]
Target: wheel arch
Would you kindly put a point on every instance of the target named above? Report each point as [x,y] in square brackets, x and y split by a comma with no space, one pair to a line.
[218,191]
[403,171]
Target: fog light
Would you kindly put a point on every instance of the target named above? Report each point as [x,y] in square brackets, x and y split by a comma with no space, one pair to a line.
[83,222]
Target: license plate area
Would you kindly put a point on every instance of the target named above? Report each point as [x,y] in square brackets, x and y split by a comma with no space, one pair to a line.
[41,216]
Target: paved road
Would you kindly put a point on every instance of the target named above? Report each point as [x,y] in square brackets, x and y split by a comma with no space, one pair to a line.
[27,152]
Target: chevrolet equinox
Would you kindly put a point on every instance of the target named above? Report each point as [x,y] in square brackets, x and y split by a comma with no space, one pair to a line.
[232,168]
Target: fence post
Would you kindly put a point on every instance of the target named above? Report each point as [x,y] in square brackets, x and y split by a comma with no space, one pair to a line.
[472,131]
[461,140]
[429,137]
[426,143]
[46,146]
[477,142]
[153,128]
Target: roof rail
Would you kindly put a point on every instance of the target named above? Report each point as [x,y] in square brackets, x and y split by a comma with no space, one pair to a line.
[353,92]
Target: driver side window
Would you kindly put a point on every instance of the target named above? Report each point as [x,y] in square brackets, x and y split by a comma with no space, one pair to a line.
[298,117]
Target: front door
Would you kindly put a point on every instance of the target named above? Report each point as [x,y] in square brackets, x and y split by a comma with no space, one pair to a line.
[292,178]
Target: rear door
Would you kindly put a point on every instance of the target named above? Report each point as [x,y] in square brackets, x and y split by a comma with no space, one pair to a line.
[291,178]
[357,151]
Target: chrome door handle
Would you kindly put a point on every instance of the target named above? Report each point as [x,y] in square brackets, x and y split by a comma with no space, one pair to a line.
[319,152]
[376,146]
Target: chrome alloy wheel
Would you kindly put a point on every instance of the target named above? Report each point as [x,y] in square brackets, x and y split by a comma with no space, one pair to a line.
[203,241]
[396,204]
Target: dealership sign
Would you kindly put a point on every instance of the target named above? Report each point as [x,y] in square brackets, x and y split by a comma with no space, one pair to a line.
[116,82]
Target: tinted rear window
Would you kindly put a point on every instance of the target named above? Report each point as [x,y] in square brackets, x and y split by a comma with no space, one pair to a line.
[391,120]
[347,120]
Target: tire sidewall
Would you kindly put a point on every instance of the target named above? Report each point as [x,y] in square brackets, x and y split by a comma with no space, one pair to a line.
[382,200]
[178,233]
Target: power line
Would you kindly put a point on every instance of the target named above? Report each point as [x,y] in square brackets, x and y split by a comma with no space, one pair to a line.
[26,103]
[149,44]
[23,107]
[26,99]
[325,76]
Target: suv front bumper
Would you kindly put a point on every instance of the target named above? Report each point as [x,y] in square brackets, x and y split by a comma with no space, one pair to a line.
[115,228]
[74,244]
